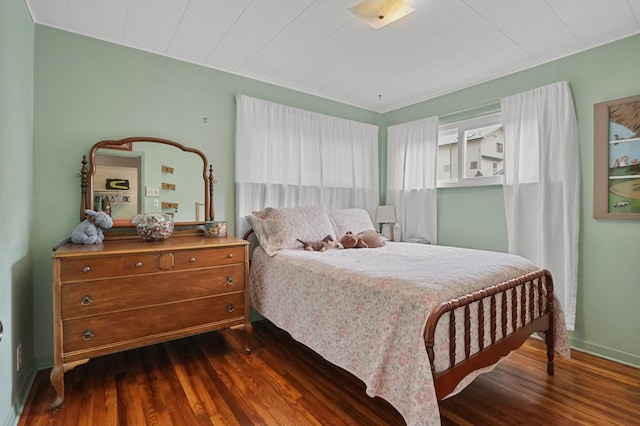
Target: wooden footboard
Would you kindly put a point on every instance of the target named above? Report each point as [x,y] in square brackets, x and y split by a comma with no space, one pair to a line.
[528,299]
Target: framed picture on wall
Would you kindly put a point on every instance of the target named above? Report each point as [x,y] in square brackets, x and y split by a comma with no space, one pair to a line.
[617,159]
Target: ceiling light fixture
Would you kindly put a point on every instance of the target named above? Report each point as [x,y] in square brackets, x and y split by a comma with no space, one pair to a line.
[378,13]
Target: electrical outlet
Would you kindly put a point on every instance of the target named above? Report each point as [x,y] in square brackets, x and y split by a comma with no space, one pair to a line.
[19,357]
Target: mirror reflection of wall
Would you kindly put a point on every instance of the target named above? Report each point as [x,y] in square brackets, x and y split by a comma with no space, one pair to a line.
[181,184]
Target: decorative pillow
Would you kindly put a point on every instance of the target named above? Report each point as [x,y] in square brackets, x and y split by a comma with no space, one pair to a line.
[255,221]
[260,214]
[355,220]
[281,228]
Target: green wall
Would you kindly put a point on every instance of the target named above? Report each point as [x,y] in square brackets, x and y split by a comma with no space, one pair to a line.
[607,319]
[16,199]
[472,217]
[88,90]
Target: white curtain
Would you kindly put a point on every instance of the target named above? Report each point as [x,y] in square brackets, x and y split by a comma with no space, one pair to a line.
[412,151]
[288,157]
[542,184]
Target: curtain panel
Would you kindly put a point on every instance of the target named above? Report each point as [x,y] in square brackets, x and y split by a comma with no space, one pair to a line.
[412,152]
[289,157]
[542,185]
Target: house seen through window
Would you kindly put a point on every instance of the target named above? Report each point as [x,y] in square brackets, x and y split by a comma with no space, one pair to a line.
[471,152]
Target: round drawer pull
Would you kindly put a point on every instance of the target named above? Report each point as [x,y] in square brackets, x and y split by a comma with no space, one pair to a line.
[230,255]
[138,264]
[192,259]
[86,269]
[230,307]
[86,300]
[87,335]
[229,280]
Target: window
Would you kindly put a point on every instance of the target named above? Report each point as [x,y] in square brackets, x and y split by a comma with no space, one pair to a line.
[447,155]
[471,152]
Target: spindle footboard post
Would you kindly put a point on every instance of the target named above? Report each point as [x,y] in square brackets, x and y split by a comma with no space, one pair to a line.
[532,287]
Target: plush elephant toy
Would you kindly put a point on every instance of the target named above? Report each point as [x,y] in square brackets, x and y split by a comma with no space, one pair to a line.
[89,231]
[364,239]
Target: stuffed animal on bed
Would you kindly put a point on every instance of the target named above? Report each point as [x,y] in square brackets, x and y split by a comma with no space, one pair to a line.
[89,231]
[364,239]
[322,245]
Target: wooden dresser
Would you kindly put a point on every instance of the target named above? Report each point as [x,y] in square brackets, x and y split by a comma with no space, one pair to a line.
[128,293]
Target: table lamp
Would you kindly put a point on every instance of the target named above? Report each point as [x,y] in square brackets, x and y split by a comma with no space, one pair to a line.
[386,215]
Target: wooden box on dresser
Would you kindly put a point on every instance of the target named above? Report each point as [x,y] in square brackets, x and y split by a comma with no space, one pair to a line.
[127,293]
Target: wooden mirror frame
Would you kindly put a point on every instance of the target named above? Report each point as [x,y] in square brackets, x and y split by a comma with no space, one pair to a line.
[87,184]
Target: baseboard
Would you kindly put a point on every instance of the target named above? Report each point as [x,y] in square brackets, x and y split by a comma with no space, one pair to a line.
[44,363]
[626,358]
[254,315]
[13,416]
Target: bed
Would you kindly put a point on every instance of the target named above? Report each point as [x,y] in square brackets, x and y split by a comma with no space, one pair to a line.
[415,322]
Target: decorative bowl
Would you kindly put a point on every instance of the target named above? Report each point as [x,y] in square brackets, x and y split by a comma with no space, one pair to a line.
[153,226]
[215,229]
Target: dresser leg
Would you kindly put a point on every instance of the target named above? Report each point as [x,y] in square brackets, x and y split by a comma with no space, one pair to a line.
[248,329]
[57,381]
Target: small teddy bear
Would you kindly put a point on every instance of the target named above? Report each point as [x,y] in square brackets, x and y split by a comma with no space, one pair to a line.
[364,239]
[89,231]
[322,245]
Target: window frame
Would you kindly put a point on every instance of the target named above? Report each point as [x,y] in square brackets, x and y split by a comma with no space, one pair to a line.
[485,120]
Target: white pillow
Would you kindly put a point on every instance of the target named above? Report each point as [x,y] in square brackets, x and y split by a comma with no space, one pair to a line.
[355,220]
[255,221]
[280,228]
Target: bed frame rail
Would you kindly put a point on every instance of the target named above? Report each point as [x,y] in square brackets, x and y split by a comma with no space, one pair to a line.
[524,297]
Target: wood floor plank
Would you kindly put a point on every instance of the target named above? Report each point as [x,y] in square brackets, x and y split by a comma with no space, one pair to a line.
[209,380]
[309,369]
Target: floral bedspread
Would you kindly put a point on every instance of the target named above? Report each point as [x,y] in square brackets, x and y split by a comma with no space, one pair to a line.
[365,309]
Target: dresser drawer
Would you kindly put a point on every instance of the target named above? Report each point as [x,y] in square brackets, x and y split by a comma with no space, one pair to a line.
[110,329]
[210,257]
[86,298]
[108,266]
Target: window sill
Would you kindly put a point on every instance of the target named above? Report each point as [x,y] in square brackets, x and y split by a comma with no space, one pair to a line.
[471,182]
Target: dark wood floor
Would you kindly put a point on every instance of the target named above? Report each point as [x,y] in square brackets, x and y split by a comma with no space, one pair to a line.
[207,379]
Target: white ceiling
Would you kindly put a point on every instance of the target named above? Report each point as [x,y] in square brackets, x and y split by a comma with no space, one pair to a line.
[319,47]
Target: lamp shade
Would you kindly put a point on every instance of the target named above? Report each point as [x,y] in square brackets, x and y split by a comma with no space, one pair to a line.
[378,13]
[386,214]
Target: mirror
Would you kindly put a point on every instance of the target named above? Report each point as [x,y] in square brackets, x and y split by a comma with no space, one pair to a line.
[145,174]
